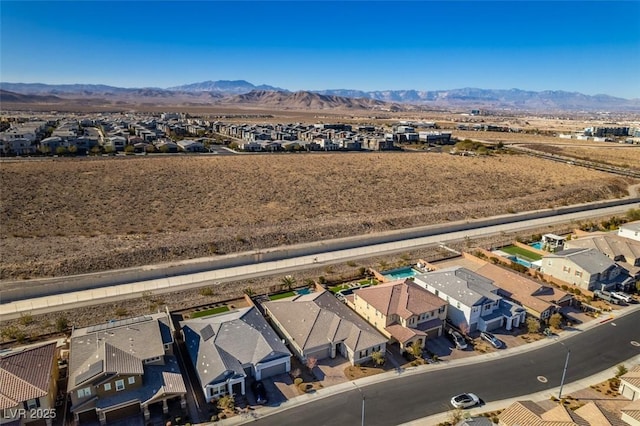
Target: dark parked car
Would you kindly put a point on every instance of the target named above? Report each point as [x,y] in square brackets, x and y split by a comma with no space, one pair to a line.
[259,392]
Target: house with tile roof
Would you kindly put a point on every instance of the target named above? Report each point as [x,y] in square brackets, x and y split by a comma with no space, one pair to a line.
[630,384]
[539,300]
[227,348]
[318,325]
[586,268]
[120,368]
[624,251]
[474,302]
[402,310]
[28,380]
[631,413]
[529,413]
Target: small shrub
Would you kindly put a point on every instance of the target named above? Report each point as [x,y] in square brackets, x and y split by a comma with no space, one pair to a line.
[121,312]
[298,381]
[352,264]
[26,319]
[62,324]
[206,291]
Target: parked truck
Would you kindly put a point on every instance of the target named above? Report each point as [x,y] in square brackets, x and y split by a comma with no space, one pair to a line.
[607,296]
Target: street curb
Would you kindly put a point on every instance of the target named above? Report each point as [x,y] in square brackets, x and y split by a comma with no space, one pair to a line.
[425,369]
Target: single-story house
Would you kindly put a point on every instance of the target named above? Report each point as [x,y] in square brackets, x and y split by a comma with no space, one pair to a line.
[318,325]
[227,348]
[522,413]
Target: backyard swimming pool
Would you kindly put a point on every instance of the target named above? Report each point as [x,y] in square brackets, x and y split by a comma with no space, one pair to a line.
[401,273]
[537,245]
[303,291]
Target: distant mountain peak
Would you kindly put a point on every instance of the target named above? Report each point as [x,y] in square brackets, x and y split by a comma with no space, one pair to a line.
[223,86]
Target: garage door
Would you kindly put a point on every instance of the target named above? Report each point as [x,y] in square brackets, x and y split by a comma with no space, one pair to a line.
[124,412]
[87,417]
[273,370]
[627,392]
[320,354]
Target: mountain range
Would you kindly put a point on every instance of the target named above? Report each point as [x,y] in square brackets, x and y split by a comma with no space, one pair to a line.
[240,92]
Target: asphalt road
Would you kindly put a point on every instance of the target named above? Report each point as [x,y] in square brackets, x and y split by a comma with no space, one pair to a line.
[412,397]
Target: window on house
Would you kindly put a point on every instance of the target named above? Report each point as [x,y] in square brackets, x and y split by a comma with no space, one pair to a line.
[119,385]
[578,273]
[107,386]
[84,392]
[437,292]
[132,380]
[458,305]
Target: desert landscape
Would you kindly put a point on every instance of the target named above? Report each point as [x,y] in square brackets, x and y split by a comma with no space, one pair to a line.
[69,216]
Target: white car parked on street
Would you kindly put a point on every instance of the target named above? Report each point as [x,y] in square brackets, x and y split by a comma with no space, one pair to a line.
[620,295]
[465,400]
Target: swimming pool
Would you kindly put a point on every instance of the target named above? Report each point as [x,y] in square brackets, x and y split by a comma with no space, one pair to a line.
[537,245]
[303,291]
[522,262]
[401,273]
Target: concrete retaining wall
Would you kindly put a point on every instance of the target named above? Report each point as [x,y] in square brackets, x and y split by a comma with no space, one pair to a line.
[183,273]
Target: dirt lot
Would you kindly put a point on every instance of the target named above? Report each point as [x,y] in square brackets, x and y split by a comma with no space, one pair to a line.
[69,216]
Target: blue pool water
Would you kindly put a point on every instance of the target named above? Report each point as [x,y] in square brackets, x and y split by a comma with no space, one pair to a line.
[398,274]
[522,262]
[303,291]
[537,245]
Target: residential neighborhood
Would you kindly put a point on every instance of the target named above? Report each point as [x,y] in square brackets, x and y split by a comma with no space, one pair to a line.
[153,368]
[58,134]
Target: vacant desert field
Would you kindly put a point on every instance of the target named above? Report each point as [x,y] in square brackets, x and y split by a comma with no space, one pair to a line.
[615,154]
[65,216]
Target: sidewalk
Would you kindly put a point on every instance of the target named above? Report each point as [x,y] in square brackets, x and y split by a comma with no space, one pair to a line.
[438,418]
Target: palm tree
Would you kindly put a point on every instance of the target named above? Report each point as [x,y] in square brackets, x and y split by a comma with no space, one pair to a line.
[288,282]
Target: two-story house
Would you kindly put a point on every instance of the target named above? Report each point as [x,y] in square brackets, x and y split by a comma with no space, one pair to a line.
[119,368]
[28,385]
[586,268]
[403,311]
[227,348]
[474,302]
[318,325]
[624,251]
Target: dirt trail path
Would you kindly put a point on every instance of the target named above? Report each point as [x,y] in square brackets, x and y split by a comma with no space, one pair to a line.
[634,190]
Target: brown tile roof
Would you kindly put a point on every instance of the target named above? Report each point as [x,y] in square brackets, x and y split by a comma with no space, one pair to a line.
[26,374]
[632,376]
[596,415]
[632,410]
[403,298]
[529,293]
[531,414]
[403,334]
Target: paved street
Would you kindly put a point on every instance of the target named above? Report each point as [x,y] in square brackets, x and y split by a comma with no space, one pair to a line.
[415,394]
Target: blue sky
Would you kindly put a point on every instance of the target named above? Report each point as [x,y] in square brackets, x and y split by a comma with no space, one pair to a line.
[590,47]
